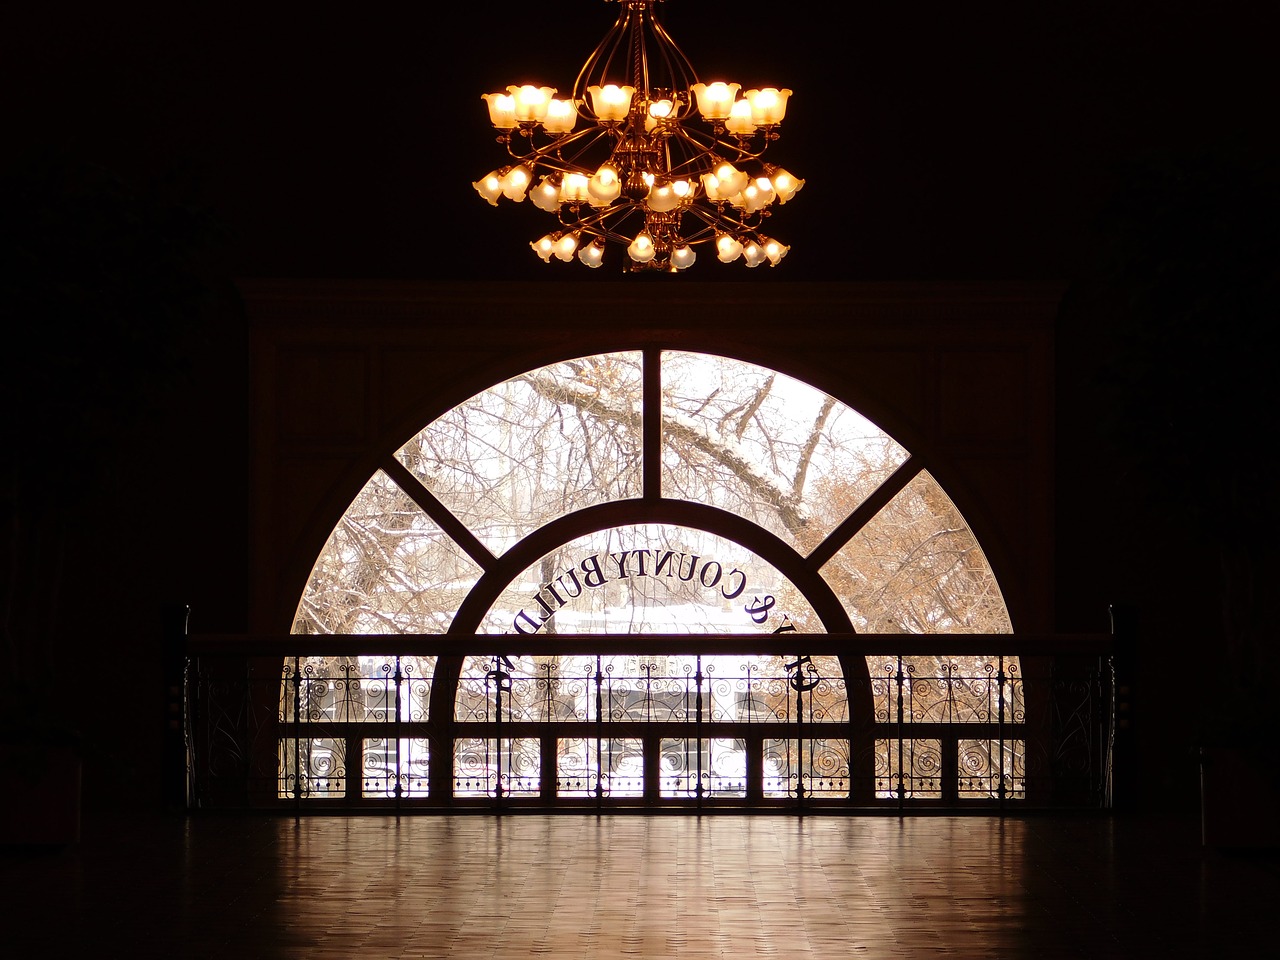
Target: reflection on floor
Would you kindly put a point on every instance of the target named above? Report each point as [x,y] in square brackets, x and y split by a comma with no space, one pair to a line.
[636,886]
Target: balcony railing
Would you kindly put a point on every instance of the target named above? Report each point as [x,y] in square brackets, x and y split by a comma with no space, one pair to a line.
[647,722]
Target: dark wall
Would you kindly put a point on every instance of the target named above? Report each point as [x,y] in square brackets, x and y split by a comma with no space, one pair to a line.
[943,143]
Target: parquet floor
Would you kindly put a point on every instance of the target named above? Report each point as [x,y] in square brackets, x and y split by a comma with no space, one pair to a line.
[636,886]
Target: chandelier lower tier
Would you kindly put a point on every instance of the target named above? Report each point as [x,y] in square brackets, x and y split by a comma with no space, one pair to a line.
[663,164]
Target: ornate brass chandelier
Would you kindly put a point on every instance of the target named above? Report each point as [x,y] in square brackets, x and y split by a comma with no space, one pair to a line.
[663,164]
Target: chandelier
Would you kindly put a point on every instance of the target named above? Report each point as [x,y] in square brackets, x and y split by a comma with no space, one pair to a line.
[660,165]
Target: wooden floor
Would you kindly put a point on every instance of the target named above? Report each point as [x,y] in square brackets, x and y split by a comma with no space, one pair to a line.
[636,886]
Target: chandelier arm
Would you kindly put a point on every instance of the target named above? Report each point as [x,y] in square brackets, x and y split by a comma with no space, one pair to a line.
[597,66]
[694,155]
[718,221]
[551,153]
[599,134]
[604,223]
[706,235]
[735,150]
[674,60]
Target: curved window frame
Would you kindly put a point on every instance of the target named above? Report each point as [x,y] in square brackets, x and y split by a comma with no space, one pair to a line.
[900,772]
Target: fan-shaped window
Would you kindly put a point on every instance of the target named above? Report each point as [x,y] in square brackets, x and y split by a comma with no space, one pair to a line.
[666,493]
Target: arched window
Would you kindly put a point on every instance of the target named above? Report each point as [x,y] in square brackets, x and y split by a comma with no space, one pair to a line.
[651,492]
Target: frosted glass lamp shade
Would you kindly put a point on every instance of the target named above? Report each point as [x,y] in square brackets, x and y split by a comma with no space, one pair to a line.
[641,249]
[756,195]
[715,100]
[573,188]
[682,257]
[532,102]
[545,247]
[768,105]
[564,247]
[502,109]
[665,197]
[785,185]
[546,195]
[604,186]
[740,121]
[591,254]
[773,250]
[515,182]
[561,116]
[490,187]
[728,248]
[610,102]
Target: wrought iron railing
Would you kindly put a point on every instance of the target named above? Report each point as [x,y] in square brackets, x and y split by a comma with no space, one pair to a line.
[801,722]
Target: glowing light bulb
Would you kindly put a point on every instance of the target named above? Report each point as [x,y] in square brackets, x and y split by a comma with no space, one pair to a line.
[728,248]
[641,249]
[605,186]
[611,102]
[573,188]
[490,187]
[515,182]
[785,184]
[682,257]
[773,250]
[715,100]
[544,247]
[546,195]
[591,254]
[560,117]
[565,247]
[502,109]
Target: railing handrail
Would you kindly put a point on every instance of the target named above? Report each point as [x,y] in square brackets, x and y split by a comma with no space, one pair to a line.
[810,644]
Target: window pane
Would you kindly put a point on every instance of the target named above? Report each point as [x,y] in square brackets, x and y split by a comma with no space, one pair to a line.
[522,688]
[910,768]
[527,451]
[360,689]
[961,689]
[821,765]
[767,447]
[617,765]
[617,688]
[387,568]
[651,578]
[917,568]
[993,769]
[388,763]
[317,768]
[482,767]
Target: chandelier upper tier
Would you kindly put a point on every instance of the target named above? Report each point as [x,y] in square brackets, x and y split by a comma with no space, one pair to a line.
[660,163]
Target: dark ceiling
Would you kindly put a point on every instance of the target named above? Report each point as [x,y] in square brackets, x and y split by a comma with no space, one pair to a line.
[938,141]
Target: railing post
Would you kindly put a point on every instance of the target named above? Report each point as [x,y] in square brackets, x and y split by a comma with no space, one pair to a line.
[1121,765]
[599,734]
[399,682]
[900,680]
[178,764]
[502,682]
[801,683]
[297,733]
[1001,792]
[697,730]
